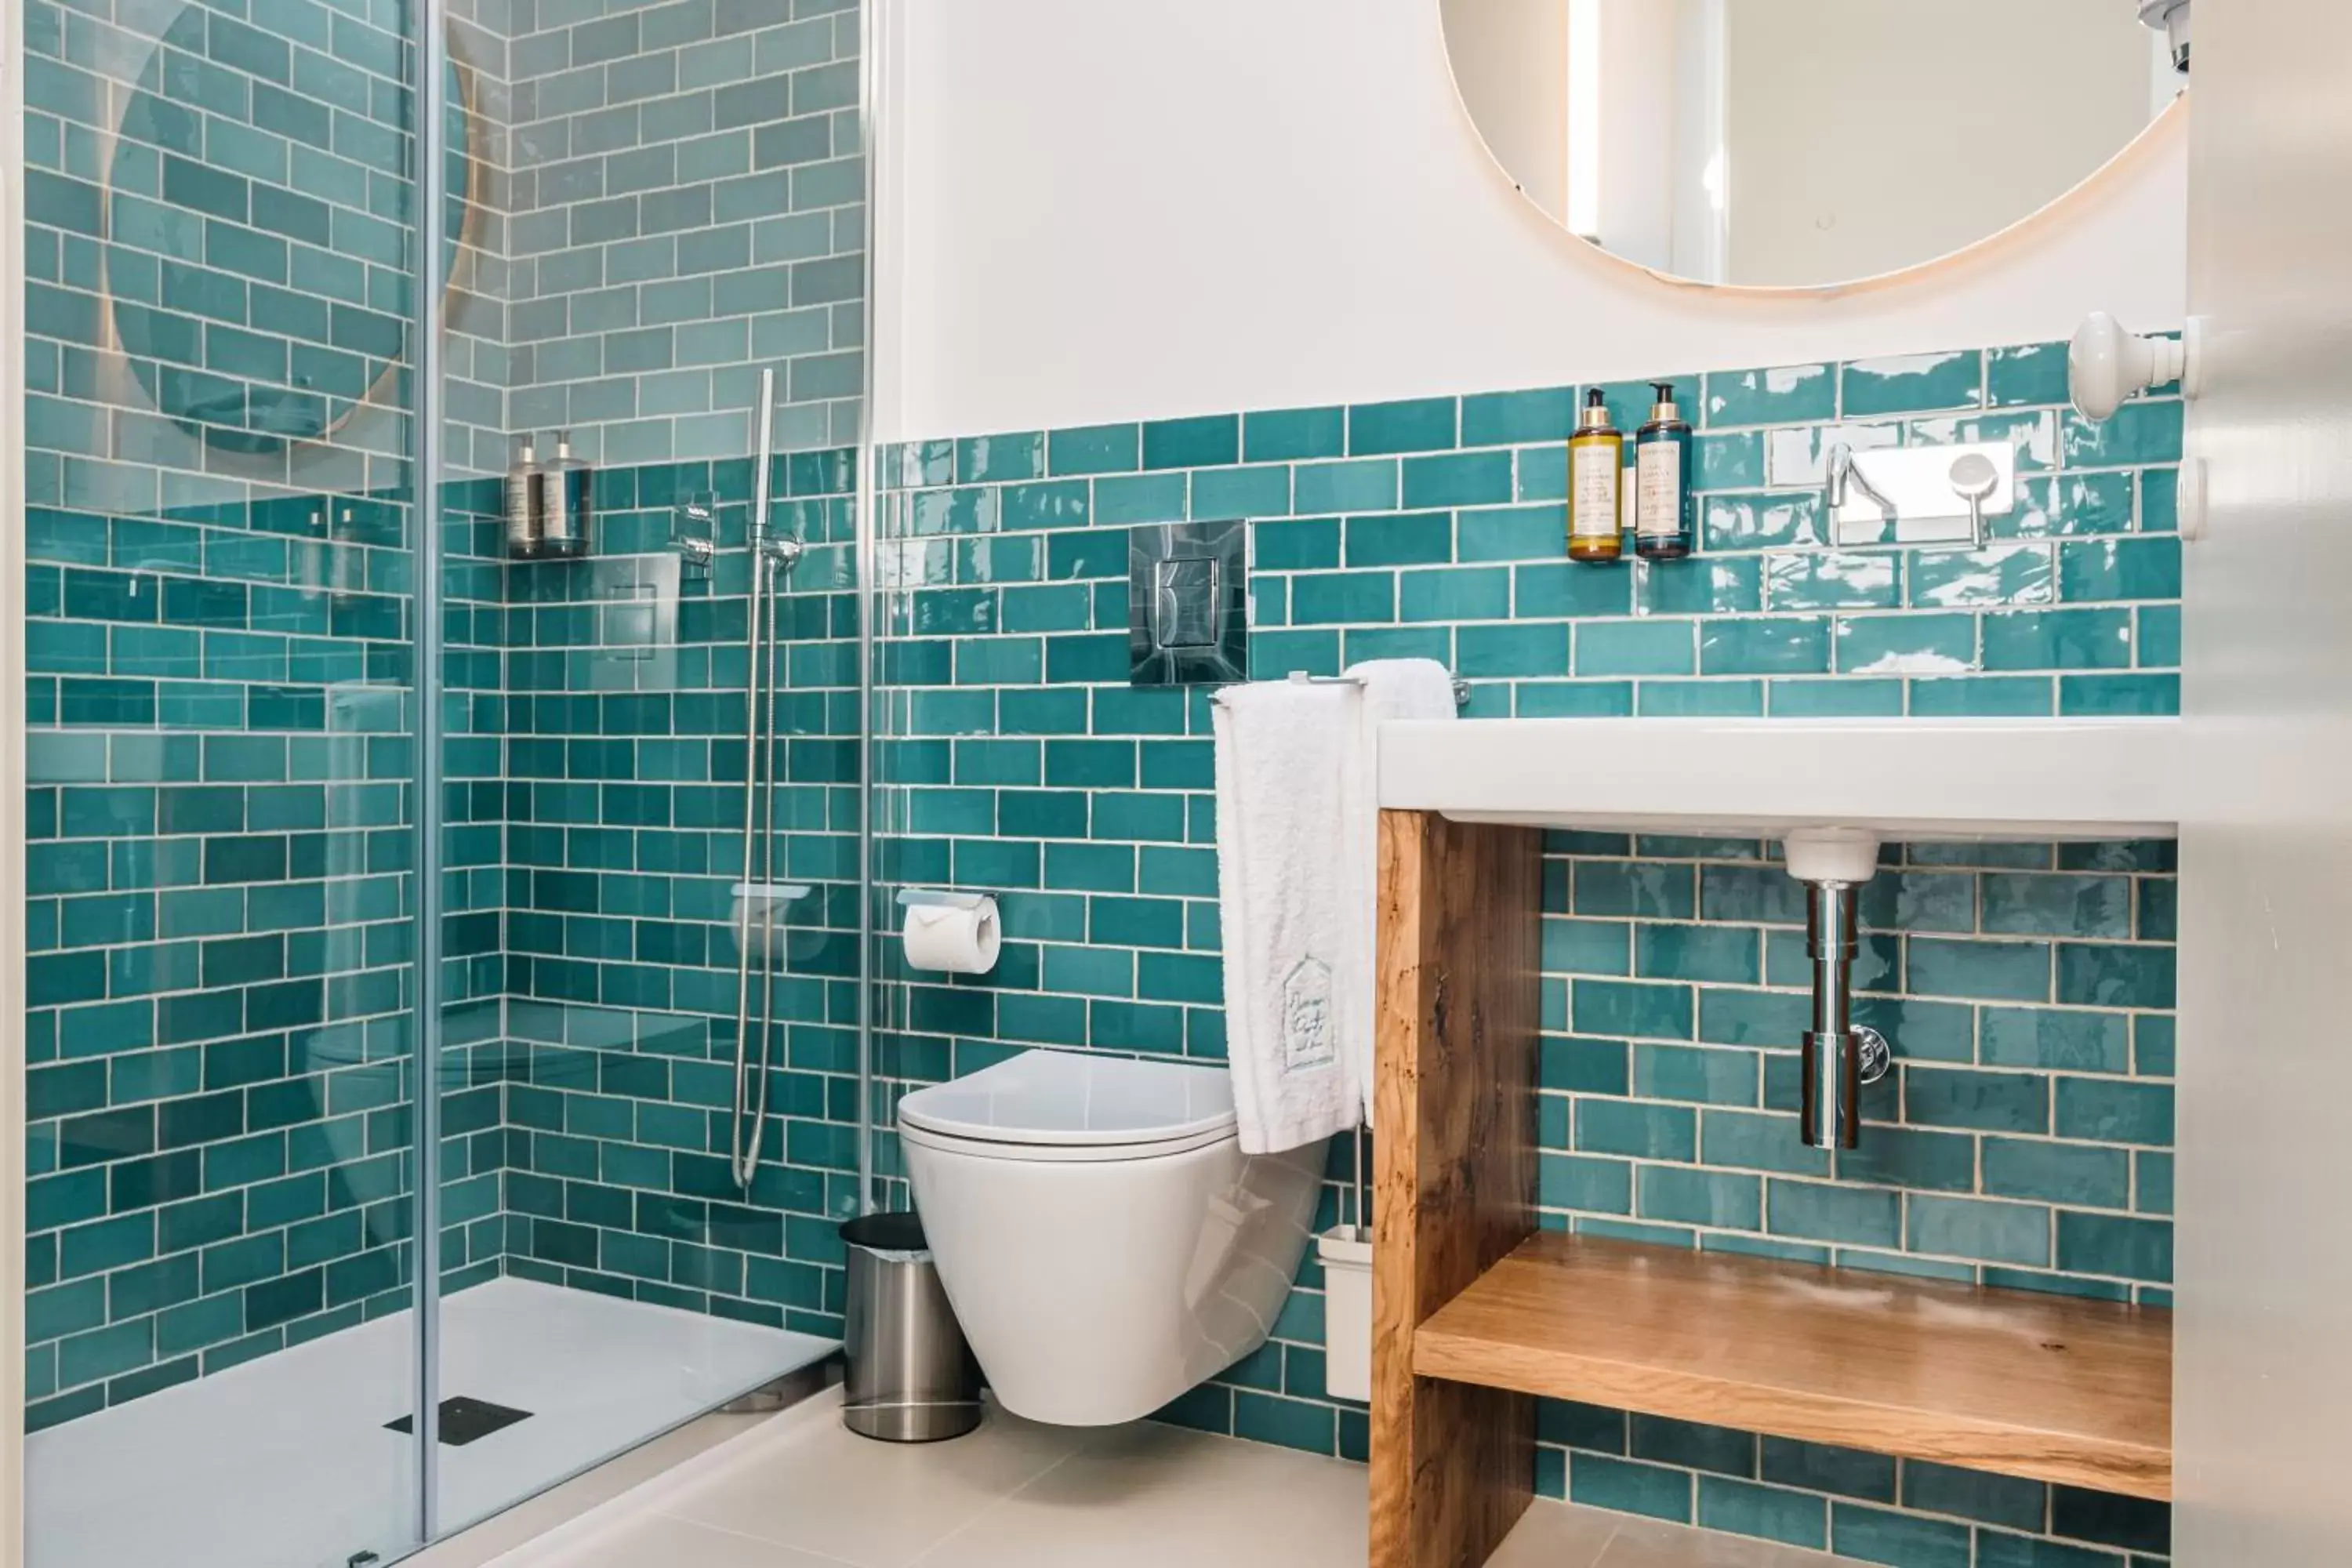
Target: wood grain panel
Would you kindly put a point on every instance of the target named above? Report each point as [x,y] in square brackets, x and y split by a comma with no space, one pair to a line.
[2048,1387]
[1457,1011]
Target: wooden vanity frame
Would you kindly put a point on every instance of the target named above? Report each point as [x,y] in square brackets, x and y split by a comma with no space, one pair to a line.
[1476,1313]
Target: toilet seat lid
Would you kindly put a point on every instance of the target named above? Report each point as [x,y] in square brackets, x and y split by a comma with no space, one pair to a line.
[1076,1098]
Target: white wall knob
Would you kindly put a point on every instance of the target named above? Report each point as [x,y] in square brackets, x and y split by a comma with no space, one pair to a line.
[2107,364]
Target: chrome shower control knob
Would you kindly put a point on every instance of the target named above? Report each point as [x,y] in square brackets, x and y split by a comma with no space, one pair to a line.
[1876,1054]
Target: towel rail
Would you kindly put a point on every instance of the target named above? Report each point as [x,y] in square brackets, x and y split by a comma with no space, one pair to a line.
[1461,687]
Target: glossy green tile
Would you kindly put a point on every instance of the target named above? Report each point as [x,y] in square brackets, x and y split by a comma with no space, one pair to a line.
[2113,1112]
[1701,586]
[1369,485]
[1305,545]
[1140,498]
[2054,1039]
[1459,594]
[2142,431]
[2028,374]
[1577,1182]
[1496,652]
[2109,1244]
[1972,1494]
[1595,1480]
[1789,394]
[1728,462]
[1771,646]
[1094,449]
[1832,580]
[994,459]
[1552,590]
[1511,534]
[1769,1513]
[1819,1212]
[1765,522]
[1636,647]
[1512,418]
[2119,694]
[1911,383]
[1466,478]
[1220,494]
[2158,638]
[1700,699]
[2107,569]
[1402,539]
[1984,697]
[1641,1130]
[1574,699]
[1327,598]
[1419,425]
[2019,573]
[2058,639]
[1196,443]
[1291,434]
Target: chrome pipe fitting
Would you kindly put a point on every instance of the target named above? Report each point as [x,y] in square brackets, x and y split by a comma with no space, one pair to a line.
[1839,1056]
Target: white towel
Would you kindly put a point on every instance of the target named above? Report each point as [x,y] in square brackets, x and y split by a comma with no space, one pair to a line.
[1297,941]
[1394,689]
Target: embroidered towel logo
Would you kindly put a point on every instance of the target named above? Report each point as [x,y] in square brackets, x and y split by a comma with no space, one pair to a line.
[1306,1041]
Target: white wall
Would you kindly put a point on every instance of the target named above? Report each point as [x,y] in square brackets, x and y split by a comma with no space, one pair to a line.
[1096,211]
[1513,54]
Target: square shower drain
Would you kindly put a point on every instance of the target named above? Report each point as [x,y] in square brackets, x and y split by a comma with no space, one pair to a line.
[463,1420]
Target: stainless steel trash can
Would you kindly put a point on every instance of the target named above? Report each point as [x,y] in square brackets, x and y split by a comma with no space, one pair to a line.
[912,1378]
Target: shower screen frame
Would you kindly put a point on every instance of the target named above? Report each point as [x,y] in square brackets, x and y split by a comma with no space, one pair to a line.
[11,782]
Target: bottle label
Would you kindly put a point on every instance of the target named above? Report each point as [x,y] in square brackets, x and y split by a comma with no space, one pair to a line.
[1592,488]
[1659,470]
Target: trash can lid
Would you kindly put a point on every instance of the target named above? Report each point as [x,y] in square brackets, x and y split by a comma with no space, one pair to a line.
[899,1232]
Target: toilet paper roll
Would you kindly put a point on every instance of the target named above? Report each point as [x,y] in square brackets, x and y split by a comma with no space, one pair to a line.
[956,940]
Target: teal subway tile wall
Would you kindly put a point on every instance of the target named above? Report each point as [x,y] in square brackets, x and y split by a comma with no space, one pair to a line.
[685,204]
[624,696]
[222,645]
[2024,1138]
[220,703]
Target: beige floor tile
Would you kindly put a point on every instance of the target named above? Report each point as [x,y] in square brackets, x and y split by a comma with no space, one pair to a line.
[1557,1535]
[874,1505]
[1158,1496]
[1647,1543]
[656,1539]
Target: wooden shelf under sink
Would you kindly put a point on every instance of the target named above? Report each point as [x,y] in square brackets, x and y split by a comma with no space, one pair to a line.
[1475,1314]
[2049,1387]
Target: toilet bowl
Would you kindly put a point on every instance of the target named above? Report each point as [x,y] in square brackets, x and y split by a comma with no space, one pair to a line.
[1104,1240]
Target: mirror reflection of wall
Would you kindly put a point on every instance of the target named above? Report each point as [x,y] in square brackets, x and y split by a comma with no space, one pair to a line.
[1801,142]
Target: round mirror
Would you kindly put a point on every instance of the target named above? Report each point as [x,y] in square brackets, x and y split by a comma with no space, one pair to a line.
[254,314]
[1797,143]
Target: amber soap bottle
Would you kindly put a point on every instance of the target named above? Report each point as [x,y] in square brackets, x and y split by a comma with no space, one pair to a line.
[1596,458]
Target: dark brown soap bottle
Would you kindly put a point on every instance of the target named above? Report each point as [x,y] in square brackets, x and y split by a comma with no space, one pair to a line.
[1665,520]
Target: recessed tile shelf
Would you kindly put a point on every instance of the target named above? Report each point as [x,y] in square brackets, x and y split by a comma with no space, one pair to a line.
[2052,1388]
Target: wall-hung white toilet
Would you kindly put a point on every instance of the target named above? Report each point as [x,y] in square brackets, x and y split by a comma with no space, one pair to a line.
[1106,1243]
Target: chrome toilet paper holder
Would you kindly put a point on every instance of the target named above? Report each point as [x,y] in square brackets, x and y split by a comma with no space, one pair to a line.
[940,899]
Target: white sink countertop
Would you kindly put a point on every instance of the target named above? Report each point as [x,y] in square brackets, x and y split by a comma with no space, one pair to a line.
[1758,778]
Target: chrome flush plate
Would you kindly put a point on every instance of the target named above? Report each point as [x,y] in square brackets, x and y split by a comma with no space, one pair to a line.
[1187,604]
